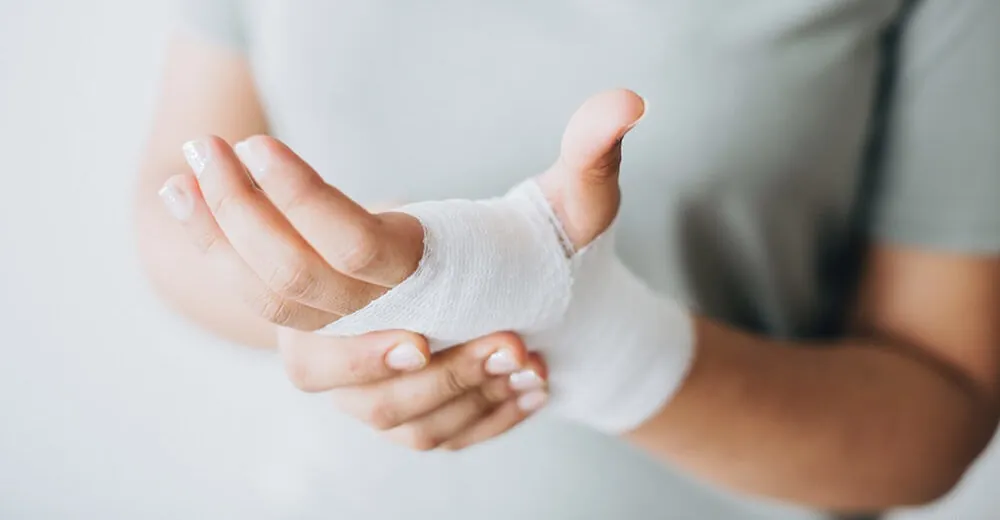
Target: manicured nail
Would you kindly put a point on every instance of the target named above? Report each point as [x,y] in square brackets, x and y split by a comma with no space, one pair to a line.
[197,155]
[405,357]
[253,155]
[645,109]
[532,401]
[526,380]
[501,362]
[178,202]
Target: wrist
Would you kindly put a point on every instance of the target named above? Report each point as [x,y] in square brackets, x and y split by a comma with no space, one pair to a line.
[622,350]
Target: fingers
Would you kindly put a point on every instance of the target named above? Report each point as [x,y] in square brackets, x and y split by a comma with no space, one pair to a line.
[316,363]
[500,421]
[452,374]
[186,203]
[475,392]
[265,240]
[379,249]
[432,429]
[583,184]
[478,415]
[530,393]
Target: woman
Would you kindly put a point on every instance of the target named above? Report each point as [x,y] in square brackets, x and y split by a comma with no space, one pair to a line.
[816,179]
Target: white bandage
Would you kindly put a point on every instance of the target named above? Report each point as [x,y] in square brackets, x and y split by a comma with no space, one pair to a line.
[616,351]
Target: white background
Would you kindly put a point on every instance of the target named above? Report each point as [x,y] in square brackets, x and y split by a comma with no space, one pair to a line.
[109,406]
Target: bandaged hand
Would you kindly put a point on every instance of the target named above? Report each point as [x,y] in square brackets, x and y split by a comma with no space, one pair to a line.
[539,262]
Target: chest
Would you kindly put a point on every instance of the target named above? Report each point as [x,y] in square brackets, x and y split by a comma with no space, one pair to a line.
[739,185]
[411,100]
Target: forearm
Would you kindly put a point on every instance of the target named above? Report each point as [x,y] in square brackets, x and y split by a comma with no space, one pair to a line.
[857,425]
[205,89]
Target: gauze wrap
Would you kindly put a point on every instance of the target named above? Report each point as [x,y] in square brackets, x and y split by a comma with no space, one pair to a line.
[615,350]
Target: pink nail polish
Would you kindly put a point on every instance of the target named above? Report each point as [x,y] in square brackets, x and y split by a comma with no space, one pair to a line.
[532,401]
[526,380]
[197,155]
[254,156]
[178,202]
[405,357]
[501,362]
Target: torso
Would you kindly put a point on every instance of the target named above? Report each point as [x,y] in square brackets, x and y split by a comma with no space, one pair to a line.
[740,184]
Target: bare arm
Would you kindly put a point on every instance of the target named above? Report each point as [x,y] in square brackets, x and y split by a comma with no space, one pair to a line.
[205,89]
[892,416]
[895,413]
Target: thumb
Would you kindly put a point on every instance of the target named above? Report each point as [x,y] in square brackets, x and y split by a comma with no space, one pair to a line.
[582,185]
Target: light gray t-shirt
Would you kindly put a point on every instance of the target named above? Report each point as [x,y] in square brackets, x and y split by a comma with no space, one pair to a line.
[780,136]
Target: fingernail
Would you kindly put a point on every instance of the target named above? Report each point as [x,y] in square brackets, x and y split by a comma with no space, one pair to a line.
[501,362]
[526,380]
[645,109]
[177,201]
[405,357]
[197,155]
[253,155]
[532,401]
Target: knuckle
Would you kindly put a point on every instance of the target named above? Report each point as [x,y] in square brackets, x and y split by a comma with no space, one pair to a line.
[224,206]
[420,439]
[274,309]
[292,280]
[605,167]
[301,193]
[300,374]
[382,415]
[481,403]
[358,252]
[206,241]
[358,367]
[494,392]
[452,383]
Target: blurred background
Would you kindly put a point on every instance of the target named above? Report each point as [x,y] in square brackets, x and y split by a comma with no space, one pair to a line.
[111,407]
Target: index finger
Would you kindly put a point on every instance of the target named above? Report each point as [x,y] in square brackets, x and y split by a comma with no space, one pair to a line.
[265,240]
[317,363]
[378,249]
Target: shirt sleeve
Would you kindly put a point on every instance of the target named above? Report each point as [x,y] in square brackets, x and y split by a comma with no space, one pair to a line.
[221,21]
[939,182]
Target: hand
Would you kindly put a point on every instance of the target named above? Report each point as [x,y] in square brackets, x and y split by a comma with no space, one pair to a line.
[303,254]
[300,252]
[389,380]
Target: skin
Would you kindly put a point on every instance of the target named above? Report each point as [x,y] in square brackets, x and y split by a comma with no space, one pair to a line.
[891,415]
[207,89]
